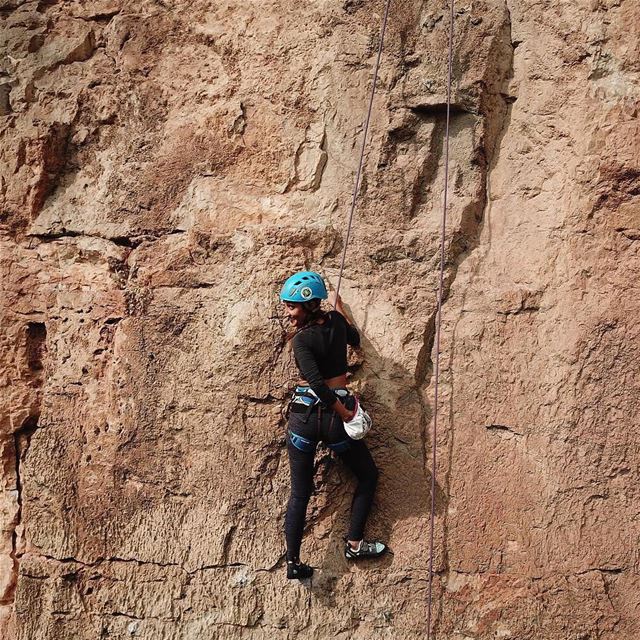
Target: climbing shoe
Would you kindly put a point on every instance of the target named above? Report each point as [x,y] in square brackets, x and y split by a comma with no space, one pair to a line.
[364,550]
[298,570]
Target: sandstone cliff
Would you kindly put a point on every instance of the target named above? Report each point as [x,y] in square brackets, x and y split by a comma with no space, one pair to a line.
[165,164]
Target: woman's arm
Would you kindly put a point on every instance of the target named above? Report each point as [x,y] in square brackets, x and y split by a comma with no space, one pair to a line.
[306,361]
[308,366]
[335,301]
[353,337]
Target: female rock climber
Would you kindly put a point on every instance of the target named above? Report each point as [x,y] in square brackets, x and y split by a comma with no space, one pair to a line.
[319,406]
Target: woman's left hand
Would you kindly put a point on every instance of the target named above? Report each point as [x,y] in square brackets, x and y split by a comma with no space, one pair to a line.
[345,414]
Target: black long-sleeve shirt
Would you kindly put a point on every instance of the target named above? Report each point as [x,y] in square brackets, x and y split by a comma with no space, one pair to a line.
[320,351]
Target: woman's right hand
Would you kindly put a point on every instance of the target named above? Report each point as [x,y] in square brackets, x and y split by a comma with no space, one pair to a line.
[345,414]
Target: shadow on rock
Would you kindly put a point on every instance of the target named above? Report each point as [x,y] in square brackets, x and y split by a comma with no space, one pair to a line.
[399,444]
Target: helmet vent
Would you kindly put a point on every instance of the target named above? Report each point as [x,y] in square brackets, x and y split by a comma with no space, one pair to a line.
[303,286]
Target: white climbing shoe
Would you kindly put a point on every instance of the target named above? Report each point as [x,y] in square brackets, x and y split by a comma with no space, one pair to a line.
[365,550]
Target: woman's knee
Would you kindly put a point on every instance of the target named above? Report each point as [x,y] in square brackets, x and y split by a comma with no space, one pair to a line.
[369,481]
[375,474]
[301,494]
[359,460]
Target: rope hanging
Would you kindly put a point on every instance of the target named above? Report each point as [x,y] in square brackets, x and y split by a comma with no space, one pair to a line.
[442,262]
[356,186]
[439,320]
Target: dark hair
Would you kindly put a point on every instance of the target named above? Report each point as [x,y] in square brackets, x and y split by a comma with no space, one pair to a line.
[314,312]
[313,315]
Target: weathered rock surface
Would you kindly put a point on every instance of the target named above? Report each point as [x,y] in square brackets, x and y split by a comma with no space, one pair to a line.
[165,164]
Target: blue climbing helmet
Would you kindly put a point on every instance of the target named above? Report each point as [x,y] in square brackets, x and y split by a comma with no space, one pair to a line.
[303,286]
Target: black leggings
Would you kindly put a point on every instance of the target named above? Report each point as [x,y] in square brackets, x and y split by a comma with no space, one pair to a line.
[327,426]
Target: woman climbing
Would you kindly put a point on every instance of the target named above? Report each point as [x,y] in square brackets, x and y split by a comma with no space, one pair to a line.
[320,405]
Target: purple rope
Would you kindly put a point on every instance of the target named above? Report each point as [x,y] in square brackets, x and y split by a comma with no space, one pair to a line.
[364,143]
[442,261]
[438,323]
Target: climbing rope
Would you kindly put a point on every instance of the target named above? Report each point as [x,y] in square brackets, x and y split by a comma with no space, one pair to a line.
[356,186]
[442,261]
[439,323]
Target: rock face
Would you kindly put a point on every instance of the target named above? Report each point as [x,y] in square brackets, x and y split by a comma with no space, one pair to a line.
[166,164]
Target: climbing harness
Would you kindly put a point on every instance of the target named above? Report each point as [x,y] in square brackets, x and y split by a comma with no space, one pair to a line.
[441,269]
[306,396]
[305,401]
[309,446]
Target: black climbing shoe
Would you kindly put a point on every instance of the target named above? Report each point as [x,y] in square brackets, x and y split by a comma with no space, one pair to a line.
[298,571]
[365,550]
